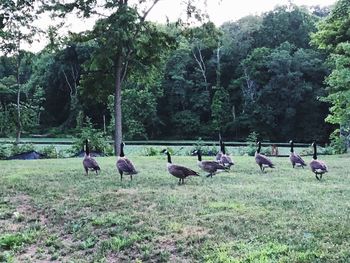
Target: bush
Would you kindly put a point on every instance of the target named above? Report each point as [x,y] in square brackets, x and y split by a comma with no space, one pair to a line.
[98,141]
[251,143]
[338,143]
[50,151]
[205,150]
[21,148]
[4,151]
[150,151]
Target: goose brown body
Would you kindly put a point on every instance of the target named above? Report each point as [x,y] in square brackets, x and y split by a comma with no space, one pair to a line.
[89,162]
[295,158]
[179,171]
[317,167]
[225,160]
[210,167]
[262,160]
[124,165]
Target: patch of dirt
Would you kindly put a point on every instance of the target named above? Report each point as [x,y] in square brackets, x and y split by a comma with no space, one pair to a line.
[28,254]
[167,243]
[127,191]
[190,231]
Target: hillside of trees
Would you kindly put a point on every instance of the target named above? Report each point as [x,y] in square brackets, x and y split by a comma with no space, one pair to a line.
[273,74]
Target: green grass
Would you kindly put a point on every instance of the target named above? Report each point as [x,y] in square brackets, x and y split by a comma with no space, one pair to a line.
[50,211]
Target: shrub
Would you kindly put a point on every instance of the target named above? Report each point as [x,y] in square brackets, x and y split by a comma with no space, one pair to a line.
[50,151]
[251,143]
[21,148]
[205,150]
[150,151]
[4,151]
[338,143]
[98,141]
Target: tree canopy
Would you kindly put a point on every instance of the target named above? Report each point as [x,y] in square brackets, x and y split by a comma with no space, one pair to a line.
[258,73]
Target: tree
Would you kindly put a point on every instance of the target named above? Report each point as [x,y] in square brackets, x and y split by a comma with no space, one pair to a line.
[32,97]
[286,23]
[16,28]
[280,88]
[220,109]
[123,39]
[333,37]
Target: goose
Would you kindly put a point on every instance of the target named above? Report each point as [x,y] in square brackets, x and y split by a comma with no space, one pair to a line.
[318,167]
[294,158]
[225,160]
[262,160]
[124,165]
[178,171]
[89,162]
[211,167]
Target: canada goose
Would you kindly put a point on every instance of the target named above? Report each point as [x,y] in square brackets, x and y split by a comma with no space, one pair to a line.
[318,167]
[211,167]
[89,162]
[262,160]
[124,165]
[225,160]
[178,171]
[294,158]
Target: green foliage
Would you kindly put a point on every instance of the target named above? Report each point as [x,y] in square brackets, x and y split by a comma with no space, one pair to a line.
[50,151]
[205,150]
[97,139]
[174,82]
[251,140]
[338,143]
[186,123]
[11,241]
[4,151]
[333,36]
[21,148]
[151,151]
[220,109]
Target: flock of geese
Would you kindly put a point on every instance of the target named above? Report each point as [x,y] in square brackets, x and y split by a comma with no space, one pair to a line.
[222,163]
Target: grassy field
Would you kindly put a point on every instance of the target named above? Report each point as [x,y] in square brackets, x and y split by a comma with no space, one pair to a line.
[50,211]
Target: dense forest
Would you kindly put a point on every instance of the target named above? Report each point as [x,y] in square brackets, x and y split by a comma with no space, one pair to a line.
[278,74]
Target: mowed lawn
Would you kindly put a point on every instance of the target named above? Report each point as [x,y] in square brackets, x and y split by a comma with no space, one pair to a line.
[49,210]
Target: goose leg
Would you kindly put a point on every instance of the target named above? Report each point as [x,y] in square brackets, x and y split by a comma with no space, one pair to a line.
[121,175]
[180,181]
[208,175]
[131,177]
[86,171]
[317,177]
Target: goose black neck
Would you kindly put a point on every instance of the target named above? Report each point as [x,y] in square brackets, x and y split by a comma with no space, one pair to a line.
[199,154]
[121,150]
[169,157]
[223,148]
[259,147]
[292,147]
[315,152]
[87,150]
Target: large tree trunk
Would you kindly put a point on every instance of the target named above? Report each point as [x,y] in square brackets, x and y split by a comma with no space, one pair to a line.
[118,106]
